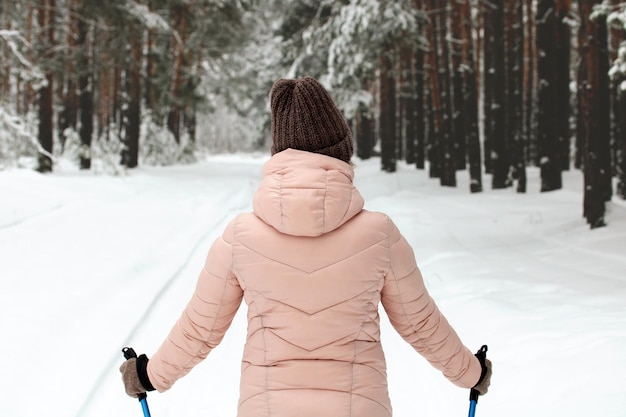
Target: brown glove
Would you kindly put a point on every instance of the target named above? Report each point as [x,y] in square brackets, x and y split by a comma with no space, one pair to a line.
[135,376]
[485,380]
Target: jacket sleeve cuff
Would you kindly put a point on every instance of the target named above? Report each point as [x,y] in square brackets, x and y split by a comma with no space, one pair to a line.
[142,372]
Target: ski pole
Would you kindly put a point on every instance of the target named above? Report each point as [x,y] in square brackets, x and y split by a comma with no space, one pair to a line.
[481,355]
[130,353]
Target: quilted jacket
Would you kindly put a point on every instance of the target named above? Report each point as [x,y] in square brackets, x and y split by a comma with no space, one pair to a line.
[312,267]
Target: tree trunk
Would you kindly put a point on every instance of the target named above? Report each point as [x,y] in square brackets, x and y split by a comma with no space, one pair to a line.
[45,20]
[618,112]
[174,118]
[365,128]
[420,112]
[5,69]
[434,99]
[134,104]
[106,93]
[190,103]
[104,82]
[85,92]
[529,130]
[604,109]
[448,142]
[621,143]
[469,102]
[30,97]
[562,88]
[548,113]
[489,90]
[67,117]
[418,96]
[499,150]
[387,112]
[151,70]
[514,100]
[457,43]
[364,132]
[594,133]
[408,105]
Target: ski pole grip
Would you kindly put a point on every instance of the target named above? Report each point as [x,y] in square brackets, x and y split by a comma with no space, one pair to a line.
[129,353]
[482,356]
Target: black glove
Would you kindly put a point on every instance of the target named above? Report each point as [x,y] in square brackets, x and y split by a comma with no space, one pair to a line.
[135,376]
[482,386]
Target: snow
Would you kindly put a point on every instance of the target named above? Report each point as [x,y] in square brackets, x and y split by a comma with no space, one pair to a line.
[93,263]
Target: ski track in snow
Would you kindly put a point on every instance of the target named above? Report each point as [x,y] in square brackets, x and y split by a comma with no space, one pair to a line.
[235,203]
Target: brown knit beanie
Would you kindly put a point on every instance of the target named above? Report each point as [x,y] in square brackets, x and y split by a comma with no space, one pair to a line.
[304,117]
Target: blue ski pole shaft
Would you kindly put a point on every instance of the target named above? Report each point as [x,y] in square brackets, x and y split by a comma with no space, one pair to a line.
[130,353]
[144,405]
[481,355]
[473,401]
[472,409]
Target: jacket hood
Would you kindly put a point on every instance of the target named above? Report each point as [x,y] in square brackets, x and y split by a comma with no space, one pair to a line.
[306,194]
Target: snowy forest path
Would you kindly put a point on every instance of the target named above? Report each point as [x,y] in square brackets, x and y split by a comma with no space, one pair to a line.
[108,246]
[230,201]
[116,263]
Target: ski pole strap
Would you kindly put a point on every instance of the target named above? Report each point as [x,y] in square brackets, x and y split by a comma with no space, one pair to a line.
[481,355]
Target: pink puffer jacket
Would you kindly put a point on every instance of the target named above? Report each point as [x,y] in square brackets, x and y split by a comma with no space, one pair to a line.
[312,266]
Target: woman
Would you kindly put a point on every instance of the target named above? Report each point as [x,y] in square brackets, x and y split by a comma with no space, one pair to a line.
[312,266]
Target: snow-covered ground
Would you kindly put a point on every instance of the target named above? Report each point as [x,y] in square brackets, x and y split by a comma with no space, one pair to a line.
[92,263]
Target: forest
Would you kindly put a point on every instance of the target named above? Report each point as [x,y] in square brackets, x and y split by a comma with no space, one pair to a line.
[493,87]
